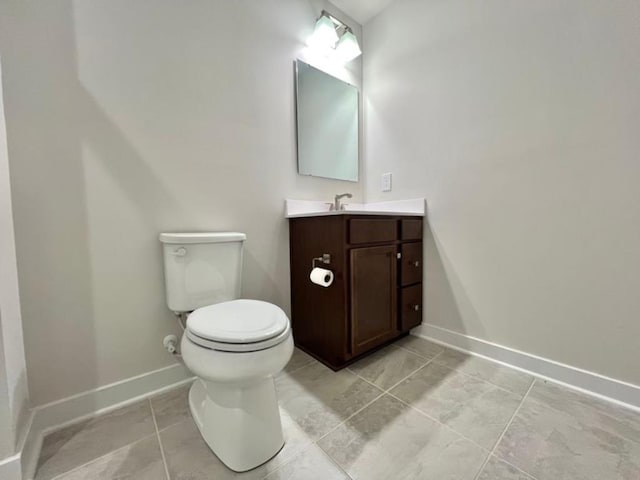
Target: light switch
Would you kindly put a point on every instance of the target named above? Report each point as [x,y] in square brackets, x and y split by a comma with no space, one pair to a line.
[386,182]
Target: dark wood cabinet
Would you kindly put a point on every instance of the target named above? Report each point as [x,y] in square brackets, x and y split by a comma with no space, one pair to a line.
[376,295]
[410,306]
[373,297]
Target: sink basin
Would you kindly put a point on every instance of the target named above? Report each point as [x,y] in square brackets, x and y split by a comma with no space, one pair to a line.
[306,208]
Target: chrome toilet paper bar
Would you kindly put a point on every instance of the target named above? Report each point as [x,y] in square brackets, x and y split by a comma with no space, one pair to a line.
[325,258]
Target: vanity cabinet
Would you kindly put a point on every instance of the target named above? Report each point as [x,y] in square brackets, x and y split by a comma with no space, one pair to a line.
[376,294]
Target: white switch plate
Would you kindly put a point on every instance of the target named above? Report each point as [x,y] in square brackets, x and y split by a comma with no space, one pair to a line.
[386,182]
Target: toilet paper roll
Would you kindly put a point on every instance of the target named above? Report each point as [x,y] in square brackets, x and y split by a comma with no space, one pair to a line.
[321,276]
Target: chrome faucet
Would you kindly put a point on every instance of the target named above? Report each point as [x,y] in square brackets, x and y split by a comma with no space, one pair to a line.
[336,203]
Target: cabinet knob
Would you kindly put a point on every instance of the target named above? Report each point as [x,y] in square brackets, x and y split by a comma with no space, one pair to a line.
[416,307]
[416,263]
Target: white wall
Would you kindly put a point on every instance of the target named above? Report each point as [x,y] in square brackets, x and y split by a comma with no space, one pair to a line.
[126,119]
[14,395]
[518,121]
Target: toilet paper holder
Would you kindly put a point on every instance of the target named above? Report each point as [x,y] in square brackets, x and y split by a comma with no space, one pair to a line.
[325,258]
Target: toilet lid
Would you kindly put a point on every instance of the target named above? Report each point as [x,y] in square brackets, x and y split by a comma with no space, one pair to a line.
[238,322]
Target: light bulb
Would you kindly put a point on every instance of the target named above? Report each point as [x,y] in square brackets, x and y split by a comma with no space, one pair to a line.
[324,36]
[348,48]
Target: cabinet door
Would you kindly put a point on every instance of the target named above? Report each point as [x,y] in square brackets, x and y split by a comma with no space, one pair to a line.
[373,297]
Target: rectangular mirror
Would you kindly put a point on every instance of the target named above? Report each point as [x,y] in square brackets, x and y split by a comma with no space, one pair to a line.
[327,124]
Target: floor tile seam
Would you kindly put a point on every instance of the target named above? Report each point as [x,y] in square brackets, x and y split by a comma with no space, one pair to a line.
[405,378]
[482,466]
[317,442]
[368,404]
[513,466]
[419,354]
[388,392]
[160,396]
[411,352]
[92,417]
[504,431]
[547,407]
[301,452]
[426,415]
[488,459]
[290,459]
[179,422]
[392,386]
[284,372]
[164,459]
[335,462]
[338,466]
[60,475]
[367,381]
[432,360]
[476,377]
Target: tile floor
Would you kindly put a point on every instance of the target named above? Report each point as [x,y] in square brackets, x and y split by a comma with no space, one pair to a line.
[413,410]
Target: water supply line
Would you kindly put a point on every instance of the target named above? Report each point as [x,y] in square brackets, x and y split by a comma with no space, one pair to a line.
[170,342]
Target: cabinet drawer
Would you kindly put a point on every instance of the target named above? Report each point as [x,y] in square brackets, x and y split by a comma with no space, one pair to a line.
[372,230]
[411,229]
[410,307]
[411,263]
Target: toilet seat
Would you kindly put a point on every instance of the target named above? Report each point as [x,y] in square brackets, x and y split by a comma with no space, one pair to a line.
[238,326]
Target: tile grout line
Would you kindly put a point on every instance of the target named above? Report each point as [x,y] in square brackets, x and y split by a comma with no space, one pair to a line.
[420,354]
[284,372]
[428,361]
[504,431]
[388,392]
[511,369]
[420,412]
[433,419]
[338,466]
[297,454]
[477,377]
[382,394]
[514,467]
[392,386]
[383,391]
[155,424]
[78,467]
[316,442]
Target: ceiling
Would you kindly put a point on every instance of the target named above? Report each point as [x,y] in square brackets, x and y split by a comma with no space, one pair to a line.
[361,10]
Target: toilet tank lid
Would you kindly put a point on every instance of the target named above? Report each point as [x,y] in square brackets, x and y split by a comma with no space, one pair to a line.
[202,237]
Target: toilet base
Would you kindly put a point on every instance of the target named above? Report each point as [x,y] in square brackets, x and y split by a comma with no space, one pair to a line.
[239,422]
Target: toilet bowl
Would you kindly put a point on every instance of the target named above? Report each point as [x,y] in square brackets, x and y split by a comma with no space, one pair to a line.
[235,348]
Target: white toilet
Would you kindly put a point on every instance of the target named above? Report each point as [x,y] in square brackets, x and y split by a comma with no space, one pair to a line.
[234,347]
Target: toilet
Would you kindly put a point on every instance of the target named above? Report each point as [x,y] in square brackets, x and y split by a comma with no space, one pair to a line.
[233,346]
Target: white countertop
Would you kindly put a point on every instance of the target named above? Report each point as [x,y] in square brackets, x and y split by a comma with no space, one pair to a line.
[306,208]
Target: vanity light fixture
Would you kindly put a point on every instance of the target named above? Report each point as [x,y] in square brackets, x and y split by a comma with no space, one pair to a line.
[347,48]
[324,36]
[334,38]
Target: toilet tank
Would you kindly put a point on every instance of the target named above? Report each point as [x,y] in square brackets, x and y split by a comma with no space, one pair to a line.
[201,268]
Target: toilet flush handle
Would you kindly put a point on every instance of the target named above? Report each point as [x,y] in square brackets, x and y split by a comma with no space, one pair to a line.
[179,252]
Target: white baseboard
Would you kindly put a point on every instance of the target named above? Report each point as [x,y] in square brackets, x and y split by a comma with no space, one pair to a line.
[592,383]
[10,468]
[60,413]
